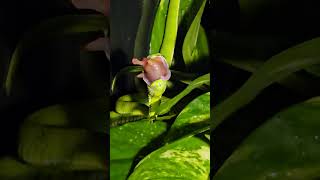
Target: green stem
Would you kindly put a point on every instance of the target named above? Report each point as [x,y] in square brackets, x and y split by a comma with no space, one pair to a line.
[171,29]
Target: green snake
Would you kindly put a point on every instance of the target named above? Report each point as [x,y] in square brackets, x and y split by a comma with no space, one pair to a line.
[138,106]
[130,108]
[135,107]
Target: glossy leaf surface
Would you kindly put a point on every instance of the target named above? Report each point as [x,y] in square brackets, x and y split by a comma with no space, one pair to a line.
[188,158]
[195,46]
[197,111]
[285,147]
[276,68]
[167,105]
[126,141]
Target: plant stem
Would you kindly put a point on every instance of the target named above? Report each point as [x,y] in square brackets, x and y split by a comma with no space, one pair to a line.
[171,29]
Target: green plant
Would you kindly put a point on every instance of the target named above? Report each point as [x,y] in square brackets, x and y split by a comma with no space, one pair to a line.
[273,145]
[175,143]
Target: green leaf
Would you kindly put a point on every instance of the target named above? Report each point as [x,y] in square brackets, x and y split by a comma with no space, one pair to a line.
[278,67]
[127,141]
[186,78]
[195,112]
[285,147]
[67,149]
[296,82]
[187,11]
[195,46]
[57,26]
[120,168]
[167,105]
[207,135]
[171,29]
[159,27]
[188,158]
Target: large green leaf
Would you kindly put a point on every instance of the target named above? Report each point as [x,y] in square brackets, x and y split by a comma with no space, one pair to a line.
[127,141]
[278,67]
[167,105]
[285,147]
[195,46]
[187,11]
[195,112]
[188,158]
[296,82]
[57,26]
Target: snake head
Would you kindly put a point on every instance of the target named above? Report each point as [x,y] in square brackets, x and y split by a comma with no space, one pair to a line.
[155,67]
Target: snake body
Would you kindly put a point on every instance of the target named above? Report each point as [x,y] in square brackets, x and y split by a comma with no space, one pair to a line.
[129,108]
[136,106]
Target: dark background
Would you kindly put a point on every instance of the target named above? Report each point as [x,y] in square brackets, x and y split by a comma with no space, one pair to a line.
[260,33]
[52,72]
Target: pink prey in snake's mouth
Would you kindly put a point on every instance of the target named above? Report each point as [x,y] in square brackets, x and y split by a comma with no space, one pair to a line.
[154,68]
